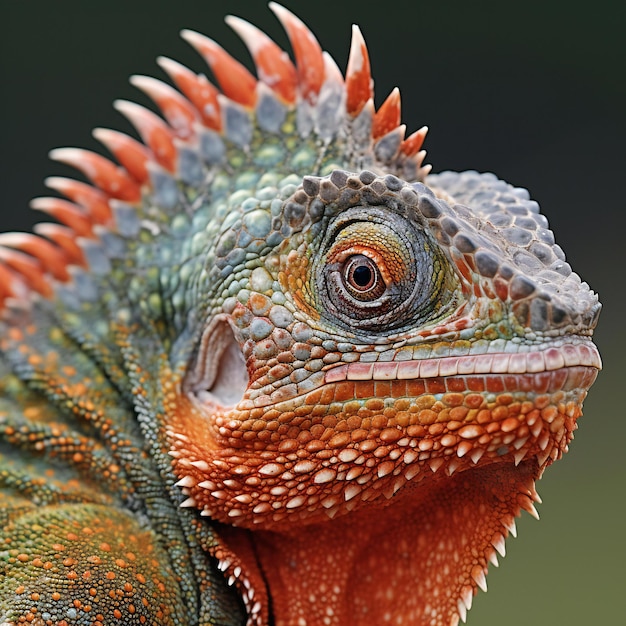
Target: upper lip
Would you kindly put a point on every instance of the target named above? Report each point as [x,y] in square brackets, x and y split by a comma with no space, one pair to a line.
[546,360]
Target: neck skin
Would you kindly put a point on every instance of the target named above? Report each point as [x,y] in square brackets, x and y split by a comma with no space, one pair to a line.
[413,557]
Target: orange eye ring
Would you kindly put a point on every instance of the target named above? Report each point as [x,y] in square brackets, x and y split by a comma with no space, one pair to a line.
[378,271]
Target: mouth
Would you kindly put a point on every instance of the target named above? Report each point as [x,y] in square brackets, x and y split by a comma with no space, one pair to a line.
[580,354]
[369,429]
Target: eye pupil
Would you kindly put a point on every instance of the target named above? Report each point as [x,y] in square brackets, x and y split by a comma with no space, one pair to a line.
[362,279]
[362,275]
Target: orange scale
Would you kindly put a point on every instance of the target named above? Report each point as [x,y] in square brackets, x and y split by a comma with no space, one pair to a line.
[456,384]
[501,288]
[511,382]
[543,382]
[414,388]
[344,391]
[475,383]
[398,388]
[436,385]
[463,269]
[494,384]
[382,388]
[487,290]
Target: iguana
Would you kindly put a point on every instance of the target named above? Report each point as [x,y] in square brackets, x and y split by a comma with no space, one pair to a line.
[267,369]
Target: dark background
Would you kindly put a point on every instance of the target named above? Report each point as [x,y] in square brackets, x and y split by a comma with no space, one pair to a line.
[533,91]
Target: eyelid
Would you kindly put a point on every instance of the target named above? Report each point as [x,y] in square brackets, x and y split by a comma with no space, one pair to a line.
[341,256]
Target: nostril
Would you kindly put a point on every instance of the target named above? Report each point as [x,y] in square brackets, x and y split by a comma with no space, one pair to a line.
[219,374]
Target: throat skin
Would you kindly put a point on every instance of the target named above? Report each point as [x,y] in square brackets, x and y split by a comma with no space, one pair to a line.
[417,559]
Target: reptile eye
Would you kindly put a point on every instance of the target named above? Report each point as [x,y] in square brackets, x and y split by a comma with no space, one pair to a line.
[362,278]
[378,271]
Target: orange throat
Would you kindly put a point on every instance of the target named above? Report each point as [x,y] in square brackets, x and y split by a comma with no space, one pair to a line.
[381,514]
[416,559]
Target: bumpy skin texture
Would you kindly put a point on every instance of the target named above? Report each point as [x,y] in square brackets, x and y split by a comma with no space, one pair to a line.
[270,370]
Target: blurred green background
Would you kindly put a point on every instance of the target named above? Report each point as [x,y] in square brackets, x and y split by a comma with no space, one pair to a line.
[534,91]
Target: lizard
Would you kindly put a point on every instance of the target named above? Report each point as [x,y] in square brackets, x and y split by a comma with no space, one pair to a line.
[267,368]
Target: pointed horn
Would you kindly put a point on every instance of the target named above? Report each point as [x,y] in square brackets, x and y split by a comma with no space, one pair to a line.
[102,173]
[50,256]
[132,155]
[9,282]
[412,144]
[196,87]
[27,268]
[235,80]
[359,82]
[178,111]
[388,115]
[63,237]
[273,65]
[306,49]
[94,201]
[65,212]
[154,132]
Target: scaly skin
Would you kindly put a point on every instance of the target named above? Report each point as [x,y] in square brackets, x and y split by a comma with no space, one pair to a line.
[271,371]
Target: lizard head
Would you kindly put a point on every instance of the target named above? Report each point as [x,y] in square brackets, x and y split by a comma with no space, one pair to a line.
[385,361]
[398,362]
[389,336]
[357,368]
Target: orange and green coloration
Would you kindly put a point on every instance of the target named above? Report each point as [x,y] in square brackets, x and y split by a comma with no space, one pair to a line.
[268,369]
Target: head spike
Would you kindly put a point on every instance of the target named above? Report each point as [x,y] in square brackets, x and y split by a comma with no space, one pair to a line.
[51,257]
[201,93]
[388,115]
[306,49]
[104,174]
[274,67]
[332,73]
[236,81]
[9,282]
[131,154]
[94,201]
[359,82]
[28,268]
[154,132]
[178,111]
[65,212]
[63,237]
[425,169]
[413,143]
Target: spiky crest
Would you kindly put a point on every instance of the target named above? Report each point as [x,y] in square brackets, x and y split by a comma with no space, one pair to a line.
[325,102]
